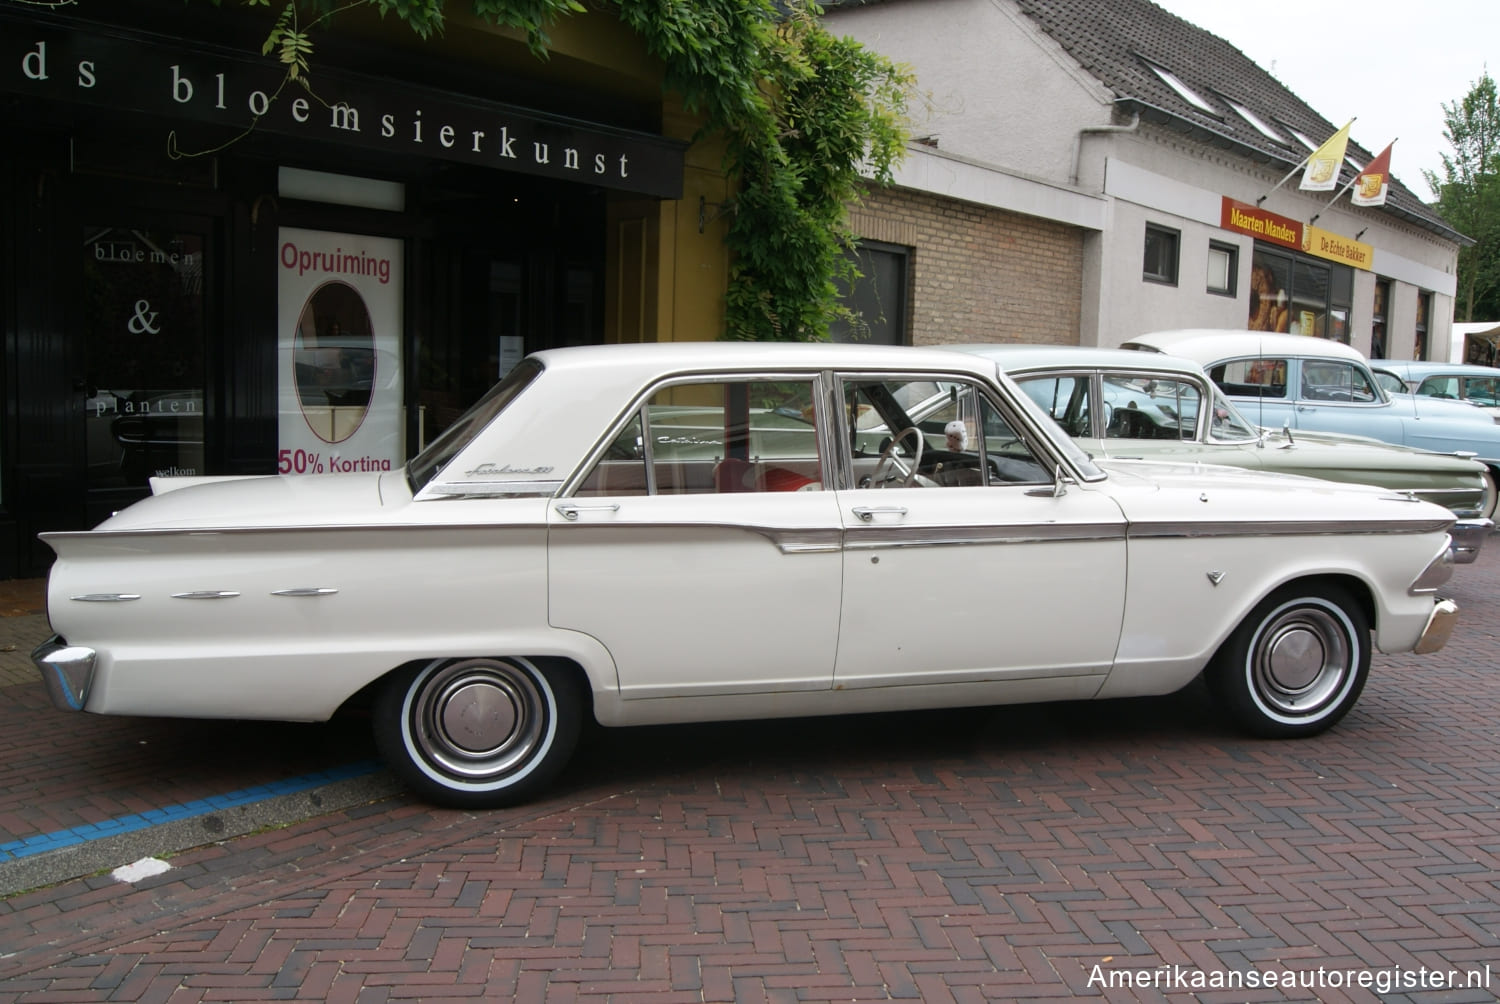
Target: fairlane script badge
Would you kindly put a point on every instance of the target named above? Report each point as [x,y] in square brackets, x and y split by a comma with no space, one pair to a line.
[488,470]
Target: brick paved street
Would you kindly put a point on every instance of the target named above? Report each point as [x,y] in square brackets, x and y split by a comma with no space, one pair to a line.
[1014,853]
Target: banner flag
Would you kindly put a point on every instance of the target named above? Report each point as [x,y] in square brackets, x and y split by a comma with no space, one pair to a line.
[1322,174]
[1373,183]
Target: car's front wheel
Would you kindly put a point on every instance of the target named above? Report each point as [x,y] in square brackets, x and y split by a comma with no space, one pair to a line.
[478,733]
[1491,498]
[1297,663]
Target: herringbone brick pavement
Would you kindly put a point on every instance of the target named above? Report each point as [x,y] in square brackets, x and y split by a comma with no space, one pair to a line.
[999,854]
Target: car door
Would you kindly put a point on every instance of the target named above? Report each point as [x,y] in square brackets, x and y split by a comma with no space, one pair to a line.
[965,565]
[1335,395]
[701,547]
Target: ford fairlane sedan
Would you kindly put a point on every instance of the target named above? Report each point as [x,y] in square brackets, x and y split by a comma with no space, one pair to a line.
[652,534]
[1148,406]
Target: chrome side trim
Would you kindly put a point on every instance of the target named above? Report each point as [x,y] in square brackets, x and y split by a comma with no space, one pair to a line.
[858,538]
[305,591]
[490,490]
[67,670]
[207,594]
[1272,528]
[325,528]
[790,540]
[105,597]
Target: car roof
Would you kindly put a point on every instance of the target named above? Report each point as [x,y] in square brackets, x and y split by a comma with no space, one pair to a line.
[643,360]
[1017,359]
[1209,345]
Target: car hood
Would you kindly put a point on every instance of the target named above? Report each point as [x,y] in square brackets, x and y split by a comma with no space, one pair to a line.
[1208,493]
[271,500]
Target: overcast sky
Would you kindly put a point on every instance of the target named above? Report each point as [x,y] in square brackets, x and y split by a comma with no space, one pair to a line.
[1388,64]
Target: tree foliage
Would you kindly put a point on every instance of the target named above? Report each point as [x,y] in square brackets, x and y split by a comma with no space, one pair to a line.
[804,116]
[1469,196]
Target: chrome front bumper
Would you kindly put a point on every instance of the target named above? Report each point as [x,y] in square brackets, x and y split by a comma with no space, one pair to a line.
[67,670]
[1439,627]
[1468,537]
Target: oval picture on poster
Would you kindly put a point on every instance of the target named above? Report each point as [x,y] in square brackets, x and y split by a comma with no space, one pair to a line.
[333,361]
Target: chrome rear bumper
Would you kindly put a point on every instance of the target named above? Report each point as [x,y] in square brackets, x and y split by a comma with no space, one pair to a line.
[1468,537]
[67,670]
[1439,627]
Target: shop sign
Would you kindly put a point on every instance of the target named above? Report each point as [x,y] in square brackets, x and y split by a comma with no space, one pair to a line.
[339,383]
[237,91]
[1263,225]
[1326,244]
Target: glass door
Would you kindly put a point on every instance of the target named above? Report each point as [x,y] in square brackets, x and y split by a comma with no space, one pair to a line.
[144,319]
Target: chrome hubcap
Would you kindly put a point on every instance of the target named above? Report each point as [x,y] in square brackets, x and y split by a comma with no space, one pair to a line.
[1301,661]
[478,719]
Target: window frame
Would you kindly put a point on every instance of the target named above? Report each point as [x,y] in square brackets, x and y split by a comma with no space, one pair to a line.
[1232,271]
[1174,237]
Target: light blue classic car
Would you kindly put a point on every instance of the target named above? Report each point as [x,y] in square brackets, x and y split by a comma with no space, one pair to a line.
[1478,385]
[1305,383]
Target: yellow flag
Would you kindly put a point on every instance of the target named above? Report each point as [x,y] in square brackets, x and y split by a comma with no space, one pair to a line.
[1322,174]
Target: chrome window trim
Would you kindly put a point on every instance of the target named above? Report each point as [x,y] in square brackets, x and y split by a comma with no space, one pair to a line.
[789,540]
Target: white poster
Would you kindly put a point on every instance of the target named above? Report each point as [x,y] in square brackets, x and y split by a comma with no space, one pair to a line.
[339,355]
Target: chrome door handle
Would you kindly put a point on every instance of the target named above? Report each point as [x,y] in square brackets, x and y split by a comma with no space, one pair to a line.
[569,511]
[869,512]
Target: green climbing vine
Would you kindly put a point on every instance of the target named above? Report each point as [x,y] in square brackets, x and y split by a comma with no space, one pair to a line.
[804,117]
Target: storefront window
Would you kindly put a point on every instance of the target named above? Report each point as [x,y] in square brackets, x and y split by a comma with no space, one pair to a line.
[143,315]
[1300,296]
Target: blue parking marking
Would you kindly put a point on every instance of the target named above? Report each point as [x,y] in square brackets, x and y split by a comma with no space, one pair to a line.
[44,842]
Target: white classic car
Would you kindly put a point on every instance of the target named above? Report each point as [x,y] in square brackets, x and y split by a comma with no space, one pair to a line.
[708,531]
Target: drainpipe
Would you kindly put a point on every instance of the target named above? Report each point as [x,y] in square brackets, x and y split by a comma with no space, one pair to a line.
[1132,126]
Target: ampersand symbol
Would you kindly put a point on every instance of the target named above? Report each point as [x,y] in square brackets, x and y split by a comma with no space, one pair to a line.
[144,321]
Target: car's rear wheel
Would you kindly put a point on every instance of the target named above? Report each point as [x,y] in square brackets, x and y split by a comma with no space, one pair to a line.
[1297,663]
[478,733]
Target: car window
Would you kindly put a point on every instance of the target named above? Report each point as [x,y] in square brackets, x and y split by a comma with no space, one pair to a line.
[1264,378]
[1065,398]
[1333,380]
[1226,424]
[903,435]
[1483,391]
[714,437]
[1390,382]
[1147,406]
[1439,386]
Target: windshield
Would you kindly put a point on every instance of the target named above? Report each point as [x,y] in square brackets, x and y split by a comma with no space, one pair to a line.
[1228,425]
[426,465]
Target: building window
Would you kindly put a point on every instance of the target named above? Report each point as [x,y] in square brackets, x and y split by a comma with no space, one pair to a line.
[1424,311]
[1223,268]
[1377,318]
[878,297]
[1302,296]
[1162,245]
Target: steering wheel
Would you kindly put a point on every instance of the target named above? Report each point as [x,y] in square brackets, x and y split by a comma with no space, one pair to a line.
[888,458]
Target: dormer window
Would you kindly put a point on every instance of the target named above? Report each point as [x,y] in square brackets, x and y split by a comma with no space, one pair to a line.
[1184,92]
[1261,125]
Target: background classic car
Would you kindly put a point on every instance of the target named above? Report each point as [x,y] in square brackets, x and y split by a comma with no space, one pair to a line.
[1144,405]
[565,550]
[1311,383]
[1477,385]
